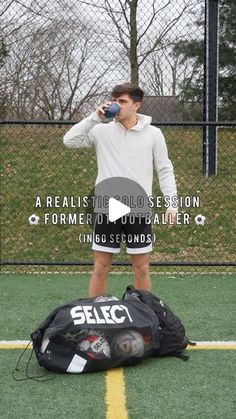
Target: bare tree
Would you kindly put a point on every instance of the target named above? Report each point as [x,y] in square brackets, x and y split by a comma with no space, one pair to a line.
[132,38]
[50,75]
[50,71]
[163,71]
[58,58]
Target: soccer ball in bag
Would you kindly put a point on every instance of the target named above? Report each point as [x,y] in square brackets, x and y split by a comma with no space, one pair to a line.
[200,220]
[129,343]
[102,298]
[95,345]
[33,219]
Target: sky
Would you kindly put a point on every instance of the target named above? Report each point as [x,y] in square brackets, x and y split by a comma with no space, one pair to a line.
[107,52]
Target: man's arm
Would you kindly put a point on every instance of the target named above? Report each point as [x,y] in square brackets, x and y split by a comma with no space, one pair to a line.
[164,169]
[81,135]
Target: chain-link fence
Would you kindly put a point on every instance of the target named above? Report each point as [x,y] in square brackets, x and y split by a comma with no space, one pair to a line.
[62,57]
[59,60]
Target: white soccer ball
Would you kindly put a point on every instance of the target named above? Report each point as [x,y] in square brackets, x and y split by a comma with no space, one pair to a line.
[200,220]
[33,220]
[95,345]
[102,298]
[129,343]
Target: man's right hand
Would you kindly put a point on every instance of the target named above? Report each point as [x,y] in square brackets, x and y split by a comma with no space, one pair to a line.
[101,110]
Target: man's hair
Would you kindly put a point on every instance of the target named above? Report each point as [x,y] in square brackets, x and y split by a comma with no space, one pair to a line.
[131,89]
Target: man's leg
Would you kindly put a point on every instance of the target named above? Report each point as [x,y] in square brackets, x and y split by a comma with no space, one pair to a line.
[141,269]
[101,268]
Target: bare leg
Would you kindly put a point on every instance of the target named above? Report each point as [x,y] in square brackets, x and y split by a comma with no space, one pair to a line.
[99,280]
[141,269]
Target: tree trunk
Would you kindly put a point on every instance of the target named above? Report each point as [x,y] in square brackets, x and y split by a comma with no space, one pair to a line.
[133,42]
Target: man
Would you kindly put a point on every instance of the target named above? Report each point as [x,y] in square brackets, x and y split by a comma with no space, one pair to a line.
[125,147]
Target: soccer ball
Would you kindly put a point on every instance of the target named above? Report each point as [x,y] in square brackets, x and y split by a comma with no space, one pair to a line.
[95,345]
[33,220]
[200,220]
[102,298]
[129,343]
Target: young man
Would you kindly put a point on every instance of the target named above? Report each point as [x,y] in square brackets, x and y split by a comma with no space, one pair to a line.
[125,147]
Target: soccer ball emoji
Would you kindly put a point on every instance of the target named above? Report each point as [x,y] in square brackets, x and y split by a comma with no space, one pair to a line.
[200,220]
[33,220]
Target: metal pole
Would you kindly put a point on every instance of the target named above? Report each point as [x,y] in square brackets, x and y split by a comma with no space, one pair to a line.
[210,108]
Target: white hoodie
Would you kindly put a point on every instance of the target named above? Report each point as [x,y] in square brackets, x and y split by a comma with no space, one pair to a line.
[125,152]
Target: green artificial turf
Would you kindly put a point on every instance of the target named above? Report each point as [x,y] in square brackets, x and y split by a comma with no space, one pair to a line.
[204,303]
[65,396]
[202,387]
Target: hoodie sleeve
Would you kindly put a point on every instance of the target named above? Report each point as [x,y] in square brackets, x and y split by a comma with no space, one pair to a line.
[164,168]
[81,134]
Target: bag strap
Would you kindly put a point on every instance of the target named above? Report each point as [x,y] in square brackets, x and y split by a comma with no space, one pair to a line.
[145,296]
[128,288]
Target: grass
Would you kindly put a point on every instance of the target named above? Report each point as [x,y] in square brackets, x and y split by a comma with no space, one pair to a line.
[163,388]
[176,390]
[75,397]
[157,388]
[200,300]
[36,163]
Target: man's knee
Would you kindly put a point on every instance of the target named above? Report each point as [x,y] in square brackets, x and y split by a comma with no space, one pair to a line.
[141,269]
[102,266]
[101,270]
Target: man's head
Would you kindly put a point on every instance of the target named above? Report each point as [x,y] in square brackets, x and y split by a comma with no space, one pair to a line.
[129,96]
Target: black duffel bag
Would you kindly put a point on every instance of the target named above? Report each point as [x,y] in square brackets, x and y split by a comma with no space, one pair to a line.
[96,334]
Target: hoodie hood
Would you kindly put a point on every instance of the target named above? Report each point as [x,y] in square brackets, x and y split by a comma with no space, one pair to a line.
[143,121]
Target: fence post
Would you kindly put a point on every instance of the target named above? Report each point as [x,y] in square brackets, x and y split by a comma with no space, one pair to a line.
[210,100]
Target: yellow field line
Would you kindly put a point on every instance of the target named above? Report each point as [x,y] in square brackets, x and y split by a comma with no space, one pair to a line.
[115,394]
[213,345]
[14,344]
[21,344]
